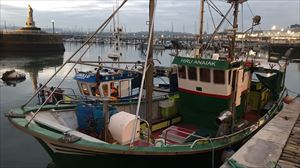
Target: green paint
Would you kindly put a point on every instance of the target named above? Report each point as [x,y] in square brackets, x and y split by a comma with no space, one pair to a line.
[201,110]
[240,110]
[205,63]
[198,104]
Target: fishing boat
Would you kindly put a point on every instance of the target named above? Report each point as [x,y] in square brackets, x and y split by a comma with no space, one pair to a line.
[219,106]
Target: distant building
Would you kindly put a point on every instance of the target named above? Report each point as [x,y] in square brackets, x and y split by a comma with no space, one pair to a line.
[295,27]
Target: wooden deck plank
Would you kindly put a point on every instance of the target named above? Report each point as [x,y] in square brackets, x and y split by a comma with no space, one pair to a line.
[291,153]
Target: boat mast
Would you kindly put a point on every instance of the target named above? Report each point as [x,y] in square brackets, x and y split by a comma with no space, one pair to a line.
[200,40]
[147,77]
[235,27]
[149,66]
[231,57]
[118,45]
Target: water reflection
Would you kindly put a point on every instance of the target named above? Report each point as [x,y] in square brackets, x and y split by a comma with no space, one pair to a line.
[30,62]
[12,82]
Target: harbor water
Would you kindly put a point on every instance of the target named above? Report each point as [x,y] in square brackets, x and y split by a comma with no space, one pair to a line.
[18,149]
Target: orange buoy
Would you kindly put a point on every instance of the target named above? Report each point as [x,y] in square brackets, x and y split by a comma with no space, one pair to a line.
[288,99]
[248,63]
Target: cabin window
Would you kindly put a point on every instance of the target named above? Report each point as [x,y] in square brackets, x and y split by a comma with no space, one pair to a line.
[204,75]
[219,76]
[192,73]
[114,89]
[182,73]
[229,77]
[105,90]
[85,89]
[95,90]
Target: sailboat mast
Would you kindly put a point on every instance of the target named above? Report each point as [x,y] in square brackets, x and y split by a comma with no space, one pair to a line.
[200,40]
[118,45]
[235,27]
[114,22]
[149,73]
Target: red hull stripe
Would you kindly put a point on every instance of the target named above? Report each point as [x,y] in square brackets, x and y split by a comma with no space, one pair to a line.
[204,94]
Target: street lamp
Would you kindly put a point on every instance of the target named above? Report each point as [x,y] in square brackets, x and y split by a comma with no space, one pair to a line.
[52,21]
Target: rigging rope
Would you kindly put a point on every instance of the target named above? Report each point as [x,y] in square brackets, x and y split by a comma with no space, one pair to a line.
[212,18]
[218,11]
[100,28]
[49,96]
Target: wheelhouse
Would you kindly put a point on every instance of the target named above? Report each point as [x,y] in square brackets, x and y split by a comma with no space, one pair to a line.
[105,83]
[208,87]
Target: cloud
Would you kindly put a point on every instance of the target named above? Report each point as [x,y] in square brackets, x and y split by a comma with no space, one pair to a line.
[183,14]
[58,5]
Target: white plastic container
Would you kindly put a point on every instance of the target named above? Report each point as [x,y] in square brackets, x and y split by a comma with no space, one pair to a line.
[121,126]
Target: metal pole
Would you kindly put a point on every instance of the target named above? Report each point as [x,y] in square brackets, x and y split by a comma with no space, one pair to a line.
[149,73]
[106,118]
[52,26]
[143,81]
[235,27]
[200,40]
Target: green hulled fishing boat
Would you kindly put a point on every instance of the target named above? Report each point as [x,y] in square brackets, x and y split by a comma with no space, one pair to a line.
[219,105]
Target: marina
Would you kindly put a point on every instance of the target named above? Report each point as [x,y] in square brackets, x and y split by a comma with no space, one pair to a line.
[203,100]
[8,156]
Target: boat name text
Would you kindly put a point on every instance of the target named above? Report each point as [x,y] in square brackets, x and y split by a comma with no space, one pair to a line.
[198,62]
[82,76]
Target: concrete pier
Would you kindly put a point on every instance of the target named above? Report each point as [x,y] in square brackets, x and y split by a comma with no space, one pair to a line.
[277,144]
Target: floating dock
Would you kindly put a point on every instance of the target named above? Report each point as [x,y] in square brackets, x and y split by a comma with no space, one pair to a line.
[277,144]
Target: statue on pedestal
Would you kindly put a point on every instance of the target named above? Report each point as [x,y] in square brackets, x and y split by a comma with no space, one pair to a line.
[30,11]
[29,21]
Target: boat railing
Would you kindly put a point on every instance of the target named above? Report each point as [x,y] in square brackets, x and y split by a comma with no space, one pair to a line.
[59,96]
[149,130]
[183,132]
[247,130]
[133,100]
[71,89]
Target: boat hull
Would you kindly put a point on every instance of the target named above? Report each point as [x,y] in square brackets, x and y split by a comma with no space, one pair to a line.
[93,154]
[64,156]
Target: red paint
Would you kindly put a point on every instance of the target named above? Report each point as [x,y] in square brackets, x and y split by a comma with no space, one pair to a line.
[204,94]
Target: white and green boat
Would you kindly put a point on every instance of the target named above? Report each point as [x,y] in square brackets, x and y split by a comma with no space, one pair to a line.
[218,106]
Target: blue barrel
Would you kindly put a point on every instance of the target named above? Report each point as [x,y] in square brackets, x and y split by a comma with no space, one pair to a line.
[98,117]
[90,116]
[84,114]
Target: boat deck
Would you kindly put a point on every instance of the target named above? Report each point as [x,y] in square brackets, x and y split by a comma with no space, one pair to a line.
[276,144]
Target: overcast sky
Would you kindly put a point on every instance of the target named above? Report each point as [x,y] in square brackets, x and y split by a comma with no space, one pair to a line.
[182,15]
